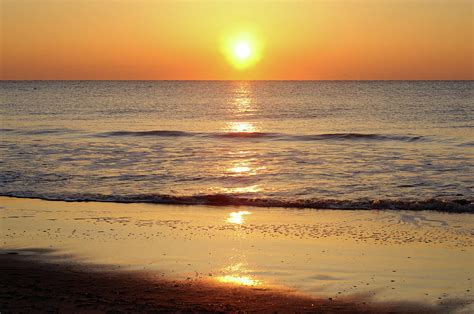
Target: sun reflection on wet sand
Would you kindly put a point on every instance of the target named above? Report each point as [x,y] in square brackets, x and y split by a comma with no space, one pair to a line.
[237,274]
[237,217]
[242,280]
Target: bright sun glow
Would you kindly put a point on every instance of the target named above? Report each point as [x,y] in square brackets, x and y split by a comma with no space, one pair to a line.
[242,50]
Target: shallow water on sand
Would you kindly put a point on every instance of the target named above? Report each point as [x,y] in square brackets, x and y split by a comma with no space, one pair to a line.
[381,255]
[354,145]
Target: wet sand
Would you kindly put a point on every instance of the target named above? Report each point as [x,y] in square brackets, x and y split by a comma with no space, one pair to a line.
[96,257]
[45,286]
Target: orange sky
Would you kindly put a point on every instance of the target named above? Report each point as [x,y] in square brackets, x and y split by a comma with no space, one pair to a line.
[145,39]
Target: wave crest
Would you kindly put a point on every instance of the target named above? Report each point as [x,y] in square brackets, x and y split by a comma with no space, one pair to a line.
[357,136]
[267,135]
[442,205]
[148,133]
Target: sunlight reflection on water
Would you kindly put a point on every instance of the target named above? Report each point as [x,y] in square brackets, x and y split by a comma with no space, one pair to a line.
[337,144]
[245,167]
[241,127]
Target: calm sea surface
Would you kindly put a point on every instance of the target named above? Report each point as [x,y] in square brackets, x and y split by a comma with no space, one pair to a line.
[296,144]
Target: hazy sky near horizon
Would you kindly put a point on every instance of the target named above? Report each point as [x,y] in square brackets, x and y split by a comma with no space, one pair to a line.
[145,39]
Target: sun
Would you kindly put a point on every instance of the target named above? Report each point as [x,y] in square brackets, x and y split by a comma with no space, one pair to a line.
[242,50]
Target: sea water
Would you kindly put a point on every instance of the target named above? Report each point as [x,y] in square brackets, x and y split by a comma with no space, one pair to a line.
[315,144]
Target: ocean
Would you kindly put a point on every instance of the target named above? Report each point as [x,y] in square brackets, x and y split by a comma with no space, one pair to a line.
[304,144]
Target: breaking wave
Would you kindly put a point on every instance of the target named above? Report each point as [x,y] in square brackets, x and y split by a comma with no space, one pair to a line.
[229,135]
[442,205]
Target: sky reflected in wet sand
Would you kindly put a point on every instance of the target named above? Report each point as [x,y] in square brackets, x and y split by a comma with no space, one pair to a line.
[388,255]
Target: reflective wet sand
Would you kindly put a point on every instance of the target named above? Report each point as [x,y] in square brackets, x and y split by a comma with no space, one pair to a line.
[383,255]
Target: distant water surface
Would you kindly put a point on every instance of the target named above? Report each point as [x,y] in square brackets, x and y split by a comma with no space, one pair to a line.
[297,144]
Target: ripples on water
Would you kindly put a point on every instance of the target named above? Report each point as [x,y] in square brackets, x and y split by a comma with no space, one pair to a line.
[297,144]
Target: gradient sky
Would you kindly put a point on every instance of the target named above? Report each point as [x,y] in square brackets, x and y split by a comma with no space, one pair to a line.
[145,39]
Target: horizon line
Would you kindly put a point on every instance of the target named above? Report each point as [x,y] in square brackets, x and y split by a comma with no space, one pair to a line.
[234,80]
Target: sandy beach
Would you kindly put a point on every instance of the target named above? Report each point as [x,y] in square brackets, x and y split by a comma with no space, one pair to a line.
[73,256]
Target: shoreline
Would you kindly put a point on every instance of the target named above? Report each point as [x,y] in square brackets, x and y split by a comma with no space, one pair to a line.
[456,206]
